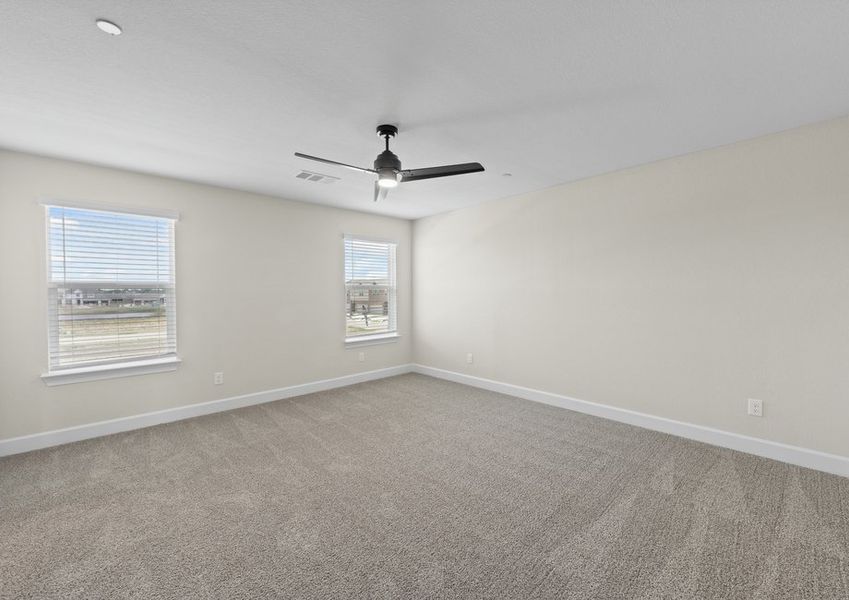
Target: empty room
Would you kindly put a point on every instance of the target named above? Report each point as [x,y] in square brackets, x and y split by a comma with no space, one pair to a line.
[402,300]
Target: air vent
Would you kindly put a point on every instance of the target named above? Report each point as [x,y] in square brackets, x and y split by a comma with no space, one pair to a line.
[316,177]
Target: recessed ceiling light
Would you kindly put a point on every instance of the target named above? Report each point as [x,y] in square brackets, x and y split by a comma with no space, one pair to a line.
[108,27]
[507,174]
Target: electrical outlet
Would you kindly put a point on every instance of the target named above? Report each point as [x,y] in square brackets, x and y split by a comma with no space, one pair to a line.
[361,356]
[470,358]
[218,378]
[756,407]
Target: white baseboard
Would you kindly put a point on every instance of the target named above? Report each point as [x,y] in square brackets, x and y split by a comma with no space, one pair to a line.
[46,439]
[803,457]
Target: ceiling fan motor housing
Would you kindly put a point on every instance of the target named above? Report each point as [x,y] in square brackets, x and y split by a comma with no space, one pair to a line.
[387,165]
[387,160]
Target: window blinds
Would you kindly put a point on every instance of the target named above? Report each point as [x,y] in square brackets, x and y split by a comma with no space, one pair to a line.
[369,287]
[111,287]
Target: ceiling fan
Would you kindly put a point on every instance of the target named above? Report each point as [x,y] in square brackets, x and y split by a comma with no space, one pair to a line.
[387,167]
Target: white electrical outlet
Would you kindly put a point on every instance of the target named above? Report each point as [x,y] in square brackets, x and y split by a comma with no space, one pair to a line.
[218,378]
[756,407]
[470,358]
[361,356]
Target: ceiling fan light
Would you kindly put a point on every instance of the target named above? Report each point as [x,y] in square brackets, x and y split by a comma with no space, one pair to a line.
[387,178]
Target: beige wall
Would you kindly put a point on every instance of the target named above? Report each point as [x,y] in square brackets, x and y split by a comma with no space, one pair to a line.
[679,288]
[287,329]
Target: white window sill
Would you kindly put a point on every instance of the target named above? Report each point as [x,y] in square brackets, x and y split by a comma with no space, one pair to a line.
[111,371]
[369,340]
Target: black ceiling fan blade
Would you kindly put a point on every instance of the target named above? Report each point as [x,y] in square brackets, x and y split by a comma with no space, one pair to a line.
[443,171]
[333,162]
[380,192]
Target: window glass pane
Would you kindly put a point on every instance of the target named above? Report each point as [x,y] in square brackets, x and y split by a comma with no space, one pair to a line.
[368,309]
[94,246]
[99,324]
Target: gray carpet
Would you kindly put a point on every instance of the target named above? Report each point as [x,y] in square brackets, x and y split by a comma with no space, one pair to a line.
[413,487]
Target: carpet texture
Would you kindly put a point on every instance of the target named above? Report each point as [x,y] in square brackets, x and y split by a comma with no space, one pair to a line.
[413,487]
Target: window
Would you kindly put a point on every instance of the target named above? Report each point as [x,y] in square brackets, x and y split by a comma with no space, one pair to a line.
[111,298]
[369,289]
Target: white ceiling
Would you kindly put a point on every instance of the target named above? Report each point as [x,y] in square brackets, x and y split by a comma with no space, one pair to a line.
[550,91]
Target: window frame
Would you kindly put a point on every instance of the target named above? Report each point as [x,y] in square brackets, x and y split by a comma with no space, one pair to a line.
[118,367]
[368,339]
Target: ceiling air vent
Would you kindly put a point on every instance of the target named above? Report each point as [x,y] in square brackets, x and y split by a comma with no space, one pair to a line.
[316,177]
